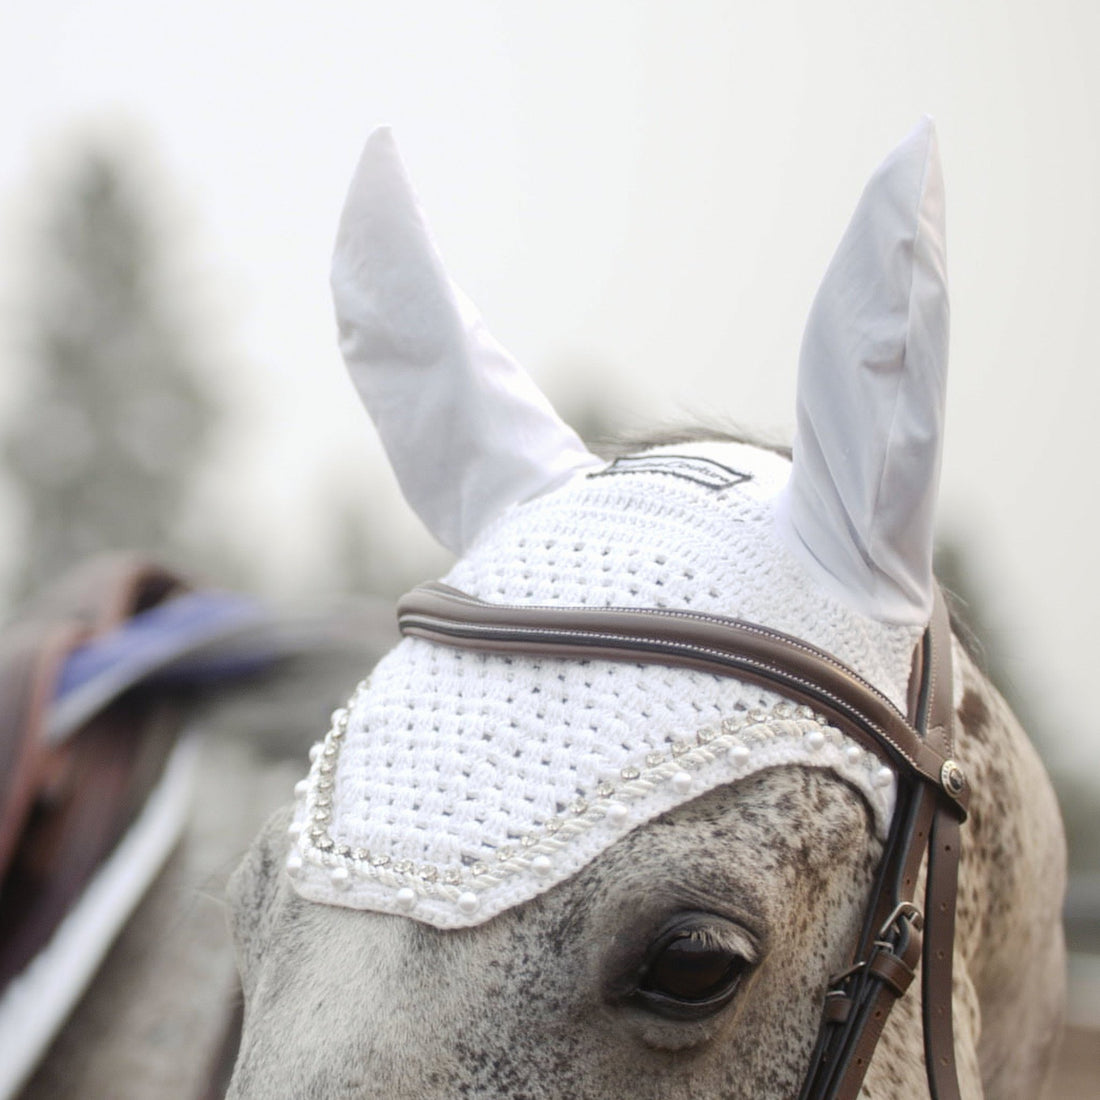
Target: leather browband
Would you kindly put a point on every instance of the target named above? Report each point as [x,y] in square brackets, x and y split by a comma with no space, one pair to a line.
[932,792]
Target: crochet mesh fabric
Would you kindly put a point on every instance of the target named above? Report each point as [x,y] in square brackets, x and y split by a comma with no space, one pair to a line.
[458,784]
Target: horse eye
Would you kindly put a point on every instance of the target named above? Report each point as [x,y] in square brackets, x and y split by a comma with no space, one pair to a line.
[689,969]
[690,973]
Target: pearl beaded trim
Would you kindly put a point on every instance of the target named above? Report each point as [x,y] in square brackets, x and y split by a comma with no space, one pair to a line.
[469,893]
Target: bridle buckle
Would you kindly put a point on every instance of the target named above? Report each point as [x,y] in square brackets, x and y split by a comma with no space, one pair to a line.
[906,912]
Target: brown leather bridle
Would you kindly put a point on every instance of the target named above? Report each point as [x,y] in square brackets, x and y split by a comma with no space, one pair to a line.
[932,791]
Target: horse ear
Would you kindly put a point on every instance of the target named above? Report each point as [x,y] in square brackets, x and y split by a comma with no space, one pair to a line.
[871,388]
[467,431]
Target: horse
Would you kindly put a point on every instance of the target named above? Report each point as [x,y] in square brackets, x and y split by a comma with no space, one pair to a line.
[553,846]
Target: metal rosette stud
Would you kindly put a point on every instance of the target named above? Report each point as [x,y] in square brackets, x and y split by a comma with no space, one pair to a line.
[953,779]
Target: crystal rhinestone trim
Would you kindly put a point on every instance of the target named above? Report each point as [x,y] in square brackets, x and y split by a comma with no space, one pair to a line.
[783,734]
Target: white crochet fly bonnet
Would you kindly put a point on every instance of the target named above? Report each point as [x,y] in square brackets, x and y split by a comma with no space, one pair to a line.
[457,784]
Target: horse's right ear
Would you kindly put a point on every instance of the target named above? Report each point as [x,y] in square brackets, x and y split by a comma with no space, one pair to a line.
[467,431]
[871,387]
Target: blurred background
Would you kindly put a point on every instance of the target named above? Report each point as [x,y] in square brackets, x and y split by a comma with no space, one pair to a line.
[640,196]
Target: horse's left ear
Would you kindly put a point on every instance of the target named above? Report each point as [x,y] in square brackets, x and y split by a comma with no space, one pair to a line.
[871,385]
[467,431]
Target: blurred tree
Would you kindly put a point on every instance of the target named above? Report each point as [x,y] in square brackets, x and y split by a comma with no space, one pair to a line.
[116,416]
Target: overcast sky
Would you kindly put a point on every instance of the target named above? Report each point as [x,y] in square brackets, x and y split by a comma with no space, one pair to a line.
[641,197]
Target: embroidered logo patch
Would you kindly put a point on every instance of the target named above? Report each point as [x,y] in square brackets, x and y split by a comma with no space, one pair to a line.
[702,471]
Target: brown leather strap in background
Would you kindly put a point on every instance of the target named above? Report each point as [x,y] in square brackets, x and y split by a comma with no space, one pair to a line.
[65,803]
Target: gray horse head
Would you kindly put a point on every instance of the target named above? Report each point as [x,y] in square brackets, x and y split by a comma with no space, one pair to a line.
[536,876]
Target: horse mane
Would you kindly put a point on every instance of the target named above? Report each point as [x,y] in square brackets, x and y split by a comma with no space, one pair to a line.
[631,441]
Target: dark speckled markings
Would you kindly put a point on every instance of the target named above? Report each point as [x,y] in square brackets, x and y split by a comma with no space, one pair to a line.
[345,1004]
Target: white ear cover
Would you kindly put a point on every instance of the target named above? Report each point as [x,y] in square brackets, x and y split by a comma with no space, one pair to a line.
[467,431]
[871,389]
